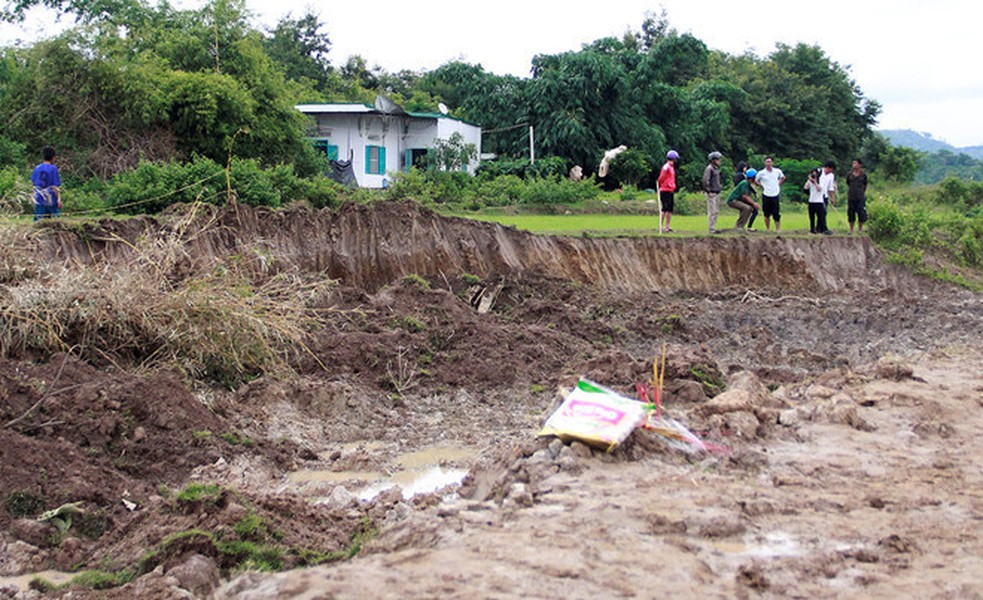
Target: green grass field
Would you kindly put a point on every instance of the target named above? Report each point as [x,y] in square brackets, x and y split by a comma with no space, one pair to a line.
[795,221]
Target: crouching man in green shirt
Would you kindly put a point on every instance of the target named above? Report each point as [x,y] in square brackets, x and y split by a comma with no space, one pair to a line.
[742,199]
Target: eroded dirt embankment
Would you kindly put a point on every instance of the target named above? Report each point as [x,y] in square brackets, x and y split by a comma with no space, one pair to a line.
[853,418]
[368,247]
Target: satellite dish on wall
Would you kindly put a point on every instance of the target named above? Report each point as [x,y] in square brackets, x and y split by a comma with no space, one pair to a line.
[442,108]
[387,106]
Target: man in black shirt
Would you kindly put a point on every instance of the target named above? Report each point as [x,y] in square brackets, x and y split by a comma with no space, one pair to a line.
[856,197]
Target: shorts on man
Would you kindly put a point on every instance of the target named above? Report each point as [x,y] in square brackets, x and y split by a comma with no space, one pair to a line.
[668,200]
[770,207]
[856,210]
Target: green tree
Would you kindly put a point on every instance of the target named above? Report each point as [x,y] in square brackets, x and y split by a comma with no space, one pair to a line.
[451,154]
[169,85]
[300,48]
[899,164]
[631,166]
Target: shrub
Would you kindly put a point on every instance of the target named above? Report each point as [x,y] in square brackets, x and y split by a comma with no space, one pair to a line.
[631,166]
[504,190]
[960,193]
[410,184]
[15,192]
[547,191]
[886,220]
[12,153]
[553,166]
[152,187]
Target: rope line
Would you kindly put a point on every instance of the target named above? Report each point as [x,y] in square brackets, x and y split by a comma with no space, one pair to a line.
[149,200]
[487,131]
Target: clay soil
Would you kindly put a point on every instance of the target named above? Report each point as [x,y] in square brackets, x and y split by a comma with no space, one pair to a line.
[843,397]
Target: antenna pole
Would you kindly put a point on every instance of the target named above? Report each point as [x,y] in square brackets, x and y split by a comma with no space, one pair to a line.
[532,146]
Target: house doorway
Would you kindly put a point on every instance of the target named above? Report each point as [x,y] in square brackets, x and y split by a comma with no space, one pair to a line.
[415,157]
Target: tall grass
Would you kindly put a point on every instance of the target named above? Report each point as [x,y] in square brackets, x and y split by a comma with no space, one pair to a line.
[226,320]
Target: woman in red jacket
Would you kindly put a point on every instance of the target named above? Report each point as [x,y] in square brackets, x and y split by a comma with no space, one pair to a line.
[667,190]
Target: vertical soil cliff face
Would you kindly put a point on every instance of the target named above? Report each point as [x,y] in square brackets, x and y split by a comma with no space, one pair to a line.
[369,247]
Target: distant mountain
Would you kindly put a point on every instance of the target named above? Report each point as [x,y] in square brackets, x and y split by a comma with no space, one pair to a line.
[926,143]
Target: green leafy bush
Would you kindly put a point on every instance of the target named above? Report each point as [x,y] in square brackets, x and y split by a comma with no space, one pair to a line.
[152,187]
[15,192]
[960,193]
[505,190]
[631,166]
[12,153]
[553,166]
[548,191]
[886,220]
[412,184]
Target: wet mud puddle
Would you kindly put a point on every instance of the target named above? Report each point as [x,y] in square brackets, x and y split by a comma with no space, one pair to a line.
[23,582]
[420,472]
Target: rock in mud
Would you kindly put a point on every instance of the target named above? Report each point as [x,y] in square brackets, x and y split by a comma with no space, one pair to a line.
[685,391]
[70,553]
[842,409]
[581,450]
[198,575]
[721,527]
[155,585]
[661,525]
[519,496]
[745,393]
[742,424]
[752,576]
[35,533]
[893,369]
[20,557]
[728,402]
[790,417]
[341,498]
[819,392]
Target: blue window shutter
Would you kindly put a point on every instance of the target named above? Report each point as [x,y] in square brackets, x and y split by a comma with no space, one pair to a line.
[332,152]
[368,160]
[382,160]
[407,160]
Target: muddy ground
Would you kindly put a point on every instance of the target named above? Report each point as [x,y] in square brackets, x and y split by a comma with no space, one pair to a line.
[845,395]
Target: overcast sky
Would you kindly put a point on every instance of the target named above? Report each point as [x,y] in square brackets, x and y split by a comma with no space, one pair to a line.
[918,59]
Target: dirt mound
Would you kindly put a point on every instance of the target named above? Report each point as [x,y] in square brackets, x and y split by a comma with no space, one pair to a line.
[438,332]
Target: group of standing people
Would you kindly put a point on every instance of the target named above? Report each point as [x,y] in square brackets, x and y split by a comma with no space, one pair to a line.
[821,186]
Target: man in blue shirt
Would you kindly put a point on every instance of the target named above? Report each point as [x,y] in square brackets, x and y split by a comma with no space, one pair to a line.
[47,186]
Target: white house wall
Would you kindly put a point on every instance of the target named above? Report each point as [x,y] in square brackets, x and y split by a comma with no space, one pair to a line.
[352,132]
[471,134]
[418,134]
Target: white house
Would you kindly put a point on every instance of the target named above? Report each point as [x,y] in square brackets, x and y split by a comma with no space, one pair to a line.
[384,138]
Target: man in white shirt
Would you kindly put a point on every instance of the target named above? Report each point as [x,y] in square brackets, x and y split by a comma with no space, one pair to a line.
[770,179]
[827,182]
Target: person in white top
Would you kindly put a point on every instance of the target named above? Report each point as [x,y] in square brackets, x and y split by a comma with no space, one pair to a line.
[827,181]
[817,205]
[771,179]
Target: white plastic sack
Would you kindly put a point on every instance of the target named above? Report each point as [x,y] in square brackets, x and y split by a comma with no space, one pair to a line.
[595,415]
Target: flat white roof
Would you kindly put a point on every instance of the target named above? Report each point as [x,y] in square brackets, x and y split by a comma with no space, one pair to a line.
[358,108]
[335,108]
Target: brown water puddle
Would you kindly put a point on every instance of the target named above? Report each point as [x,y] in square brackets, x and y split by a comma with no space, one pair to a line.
[22,582]
[421,472]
